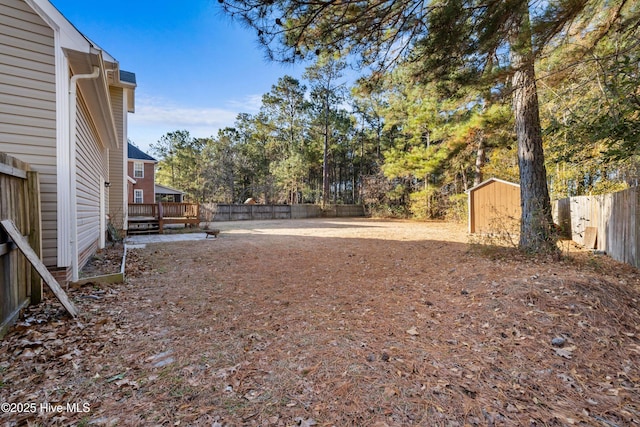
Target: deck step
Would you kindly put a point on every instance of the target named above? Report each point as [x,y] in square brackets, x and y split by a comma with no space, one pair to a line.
[143,227]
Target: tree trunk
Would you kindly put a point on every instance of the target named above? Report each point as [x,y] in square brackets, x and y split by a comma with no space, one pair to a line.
[465,183]
[536,222]
[325,170]
[480,159]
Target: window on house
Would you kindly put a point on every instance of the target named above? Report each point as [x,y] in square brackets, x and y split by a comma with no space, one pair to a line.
[138,170]
[138,196]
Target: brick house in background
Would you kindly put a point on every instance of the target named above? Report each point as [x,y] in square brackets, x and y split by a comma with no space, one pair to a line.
[140,176]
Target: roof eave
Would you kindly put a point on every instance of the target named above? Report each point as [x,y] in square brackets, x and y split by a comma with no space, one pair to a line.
[96,92]
[83,55]
[164,187]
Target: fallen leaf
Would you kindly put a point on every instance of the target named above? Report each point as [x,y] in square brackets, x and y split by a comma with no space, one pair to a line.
[390,391]
[565,352]
[125,382]
[613,391]
[413,331]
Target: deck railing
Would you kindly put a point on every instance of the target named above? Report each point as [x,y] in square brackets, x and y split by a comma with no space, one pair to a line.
[154,216]
[178,210]
[143,210]
[164,210]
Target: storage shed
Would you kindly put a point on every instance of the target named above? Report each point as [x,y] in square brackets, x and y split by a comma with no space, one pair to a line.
[494,207]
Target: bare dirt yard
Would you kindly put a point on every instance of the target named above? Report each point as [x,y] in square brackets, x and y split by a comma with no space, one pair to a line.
[334,322]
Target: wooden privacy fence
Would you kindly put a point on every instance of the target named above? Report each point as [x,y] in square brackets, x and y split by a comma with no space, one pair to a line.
[232,212]
[615,218]
[20,203]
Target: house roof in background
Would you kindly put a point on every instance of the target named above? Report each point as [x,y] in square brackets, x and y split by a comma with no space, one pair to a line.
[135,153]
[163,189]
[127,77]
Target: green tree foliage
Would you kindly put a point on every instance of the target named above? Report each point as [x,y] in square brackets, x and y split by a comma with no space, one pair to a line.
[369,101]
[433,119]
[180,163]
[591,103]
[252,144]
[327,93]
[443,138]
[285,110]
[222,166]
[453,40]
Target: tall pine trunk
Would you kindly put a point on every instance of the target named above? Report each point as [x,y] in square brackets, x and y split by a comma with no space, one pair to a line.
[325,155]
[536,222]
[480,159]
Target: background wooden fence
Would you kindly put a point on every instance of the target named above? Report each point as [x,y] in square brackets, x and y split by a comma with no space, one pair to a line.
[229,212]
[616,217]
[19,202]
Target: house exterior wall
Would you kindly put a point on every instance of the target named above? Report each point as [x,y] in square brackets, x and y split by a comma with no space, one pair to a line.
[92,170]
[494,208]
[117,157]
[146,184]
[28,107]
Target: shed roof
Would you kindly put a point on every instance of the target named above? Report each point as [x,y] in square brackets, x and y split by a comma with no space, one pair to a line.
[135,153]
[489,181]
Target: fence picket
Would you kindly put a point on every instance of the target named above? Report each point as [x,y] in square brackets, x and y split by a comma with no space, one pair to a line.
[20,203]
[616,217]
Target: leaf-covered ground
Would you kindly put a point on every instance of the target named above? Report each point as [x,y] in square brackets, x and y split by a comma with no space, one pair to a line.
[327,322]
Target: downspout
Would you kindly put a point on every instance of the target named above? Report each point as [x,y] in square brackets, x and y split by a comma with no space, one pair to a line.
[73,90]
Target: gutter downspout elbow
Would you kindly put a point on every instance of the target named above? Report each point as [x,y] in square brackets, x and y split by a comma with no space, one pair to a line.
[73,90]
[76,77]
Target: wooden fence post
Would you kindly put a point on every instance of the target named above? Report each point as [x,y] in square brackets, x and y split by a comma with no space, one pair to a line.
[160,220]
[30,255]
[35,231]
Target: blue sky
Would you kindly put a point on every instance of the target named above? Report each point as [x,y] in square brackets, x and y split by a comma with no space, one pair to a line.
[196,69]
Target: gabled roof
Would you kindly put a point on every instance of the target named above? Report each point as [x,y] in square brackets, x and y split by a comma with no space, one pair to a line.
[84,57]
[134,153]
[489,181]
[163,189]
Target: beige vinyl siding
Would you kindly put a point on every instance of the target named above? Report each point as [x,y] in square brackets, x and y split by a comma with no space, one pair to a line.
[117,193]
[28,107]
[91,164]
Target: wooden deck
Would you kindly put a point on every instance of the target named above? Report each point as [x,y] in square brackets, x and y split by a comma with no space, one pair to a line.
[146,218]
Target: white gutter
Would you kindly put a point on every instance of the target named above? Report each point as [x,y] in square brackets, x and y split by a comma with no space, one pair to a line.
[73,90]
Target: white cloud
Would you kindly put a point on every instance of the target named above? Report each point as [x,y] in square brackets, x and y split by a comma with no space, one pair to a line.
[250,104]
[154,117]
[149,113]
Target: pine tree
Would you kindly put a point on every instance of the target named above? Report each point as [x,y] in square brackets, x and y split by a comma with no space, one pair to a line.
[327,91]
[285,109]
[453,39]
